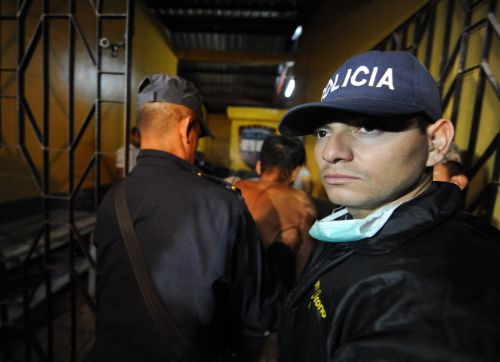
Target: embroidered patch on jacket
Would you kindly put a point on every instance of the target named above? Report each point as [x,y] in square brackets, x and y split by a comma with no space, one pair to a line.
[316,300]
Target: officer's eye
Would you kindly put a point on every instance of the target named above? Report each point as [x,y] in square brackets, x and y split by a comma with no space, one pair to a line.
[367,128]
[321,133]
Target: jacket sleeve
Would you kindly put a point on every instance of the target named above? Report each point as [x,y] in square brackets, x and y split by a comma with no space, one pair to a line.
[254,294]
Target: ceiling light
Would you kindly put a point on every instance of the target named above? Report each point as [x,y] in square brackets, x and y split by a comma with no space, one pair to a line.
[297,33]
[290,87]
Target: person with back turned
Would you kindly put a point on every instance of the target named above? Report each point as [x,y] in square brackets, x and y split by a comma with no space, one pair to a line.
[199,244]
[283,215]
[400,273]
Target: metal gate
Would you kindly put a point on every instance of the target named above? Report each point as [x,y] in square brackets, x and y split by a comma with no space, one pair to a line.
[456,40]
[52,251]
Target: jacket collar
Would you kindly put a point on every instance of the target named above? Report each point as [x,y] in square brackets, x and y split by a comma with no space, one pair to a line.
[156,157]
[412,218]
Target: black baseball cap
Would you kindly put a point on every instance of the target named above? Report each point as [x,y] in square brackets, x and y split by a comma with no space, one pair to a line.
[388,84]
[173,89]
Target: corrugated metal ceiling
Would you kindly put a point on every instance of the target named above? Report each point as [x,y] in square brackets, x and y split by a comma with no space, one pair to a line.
[234,50]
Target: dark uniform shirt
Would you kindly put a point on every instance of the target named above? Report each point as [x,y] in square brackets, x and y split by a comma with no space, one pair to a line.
[426,287]
[202,250]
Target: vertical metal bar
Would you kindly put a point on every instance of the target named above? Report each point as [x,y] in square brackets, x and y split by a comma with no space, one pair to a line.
[477,110]
[431,20]
[20,141]
[464,39]
[416,34]
[478,101]
[20,73]
[446,38]
[404,37]
[46,175]
[97,174]
[71,169]
[128,76]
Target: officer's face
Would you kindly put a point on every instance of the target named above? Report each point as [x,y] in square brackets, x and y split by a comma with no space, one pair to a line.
[365,165]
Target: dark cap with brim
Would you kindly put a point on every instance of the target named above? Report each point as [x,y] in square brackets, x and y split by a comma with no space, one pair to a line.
[380,84]
[176,90]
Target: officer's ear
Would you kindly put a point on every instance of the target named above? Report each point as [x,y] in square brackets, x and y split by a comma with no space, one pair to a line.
[187,125]
[439,136]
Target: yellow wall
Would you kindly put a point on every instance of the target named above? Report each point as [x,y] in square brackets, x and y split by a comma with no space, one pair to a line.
[217,148]
[248,116]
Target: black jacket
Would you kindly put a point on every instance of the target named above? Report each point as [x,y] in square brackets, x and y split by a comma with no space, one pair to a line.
[204,255]
[425,288]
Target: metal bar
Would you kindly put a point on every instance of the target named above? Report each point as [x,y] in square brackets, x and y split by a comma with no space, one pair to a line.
[97,137]
[484,196]
[84,40]
[32,248]
[449,63]
[446,38]
[23,7]
[494,23]
[464,38]
[46,177]
[128,79]
[477,3]
[446,98]
[81,244]
[478,101]
[31,166]
[111,73]
[31,119]
[404,37]
[71,175]
[492,148]
[110,16]
[32,45]
[20,75]
[494,28]
[81,131]
[56,16]
[84,174]
[430,32]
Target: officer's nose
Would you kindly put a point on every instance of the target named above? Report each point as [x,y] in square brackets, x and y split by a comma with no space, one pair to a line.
[338,148]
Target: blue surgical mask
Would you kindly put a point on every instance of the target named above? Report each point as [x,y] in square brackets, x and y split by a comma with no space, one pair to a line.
[331,230]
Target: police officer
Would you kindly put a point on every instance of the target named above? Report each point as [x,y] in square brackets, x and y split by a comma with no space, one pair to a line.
[400,272]
[199,243]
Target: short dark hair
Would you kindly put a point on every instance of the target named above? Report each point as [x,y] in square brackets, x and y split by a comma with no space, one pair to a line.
[134,130]
[283,152]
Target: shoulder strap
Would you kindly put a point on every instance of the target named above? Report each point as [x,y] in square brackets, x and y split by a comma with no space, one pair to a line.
[160,315]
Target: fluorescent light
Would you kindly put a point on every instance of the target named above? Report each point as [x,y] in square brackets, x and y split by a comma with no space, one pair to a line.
[297,33]
[289,88]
